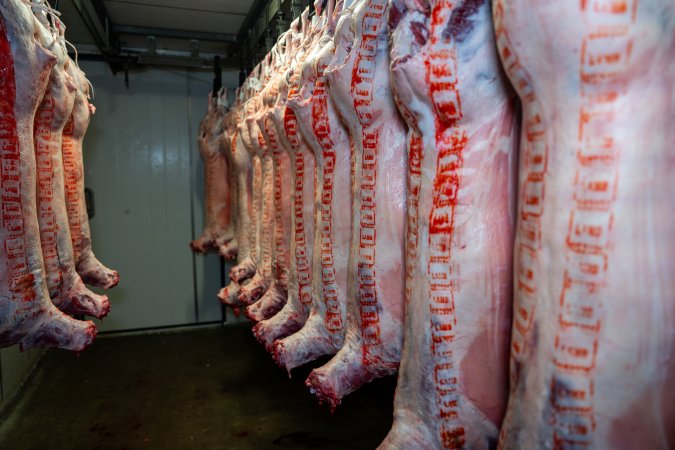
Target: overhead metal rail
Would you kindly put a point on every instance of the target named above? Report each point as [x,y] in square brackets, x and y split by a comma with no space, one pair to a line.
[106,36]
[265,21]
[178,34]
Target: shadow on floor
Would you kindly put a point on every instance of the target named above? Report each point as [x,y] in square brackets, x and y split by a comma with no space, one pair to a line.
[206,389]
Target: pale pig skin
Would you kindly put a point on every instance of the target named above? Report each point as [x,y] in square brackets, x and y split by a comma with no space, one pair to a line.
[260,282]
[239,164]
[452,385]
[277,294]
[359,81]
[263,207]
[27,315]
[323,334]
[65,286]
[310,341]
[228,150]
[294,313]
[250,219]
[88,267]
[593,359]
[219,223]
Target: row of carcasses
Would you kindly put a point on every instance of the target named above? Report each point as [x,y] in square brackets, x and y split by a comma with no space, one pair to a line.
[374,171]
[46,254]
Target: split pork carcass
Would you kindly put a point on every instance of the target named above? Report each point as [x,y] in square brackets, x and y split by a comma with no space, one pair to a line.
[294,313]
[91,270]
[262,156]
[592,351]
[65,286]
[27,315]
[244,225]
[359,80]
[326,136]
[249,161]
[227,150]
[219,225]
[249,180]
[462,148]
[276,294]
[305,188]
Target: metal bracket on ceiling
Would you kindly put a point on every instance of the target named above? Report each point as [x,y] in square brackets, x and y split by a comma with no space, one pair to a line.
[105,33]
[152,45]
[296,8]
[217,75]
[269,41]
[175,34]
[126,74]
[90,14]
[282,24]
[267,19]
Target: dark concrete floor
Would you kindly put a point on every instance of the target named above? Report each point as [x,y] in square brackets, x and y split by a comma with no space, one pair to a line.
[207,389]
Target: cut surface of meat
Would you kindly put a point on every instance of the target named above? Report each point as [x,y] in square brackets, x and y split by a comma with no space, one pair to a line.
[462,148]
[360,86]
[27,315]
[592,351]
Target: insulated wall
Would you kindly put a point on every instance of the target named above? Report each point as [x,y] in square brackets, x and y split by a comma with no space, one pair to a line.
[142,163]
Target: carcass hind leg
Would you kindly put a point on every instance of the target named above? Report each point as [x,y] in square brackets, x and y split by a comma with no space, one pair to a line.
[229,249]
[80,300]
[61,331]
[253,290]
[269,304]
[229,296]
[242,271]
[308,344]
[346,372]
[96,274]
[284,323]
[201,245]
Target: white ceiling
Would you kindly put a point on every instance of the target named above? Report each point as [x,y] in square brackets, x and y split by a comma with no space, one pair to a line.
[216,16]
[210,16]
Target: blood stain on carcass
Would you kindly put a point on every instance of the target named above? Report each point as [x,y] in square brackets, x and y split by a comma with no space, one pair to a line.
[21,281]
[419,30]
[461,22]
[395,14]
